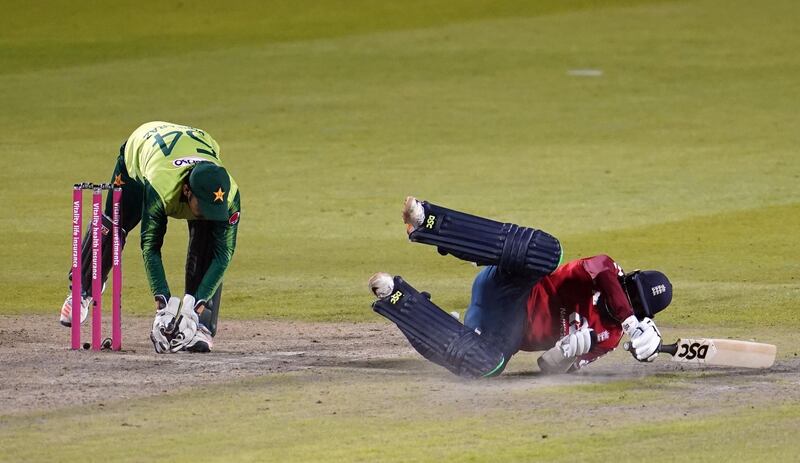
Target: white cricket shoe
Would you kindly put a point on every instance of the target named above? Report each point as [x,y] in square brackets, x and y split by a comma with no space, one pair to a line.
[66,310]
[201,342]
[381,284]
[413,214]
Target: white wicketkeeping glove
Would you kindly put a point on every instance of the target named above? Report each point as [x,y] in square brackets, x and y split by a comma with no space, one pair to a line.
[185,325]
[645,338]
[164,325]
[175,325]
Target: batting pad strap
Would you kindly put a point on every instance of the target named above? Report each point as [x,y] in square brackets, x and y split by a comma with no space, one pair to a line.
[437,335]
[516,250]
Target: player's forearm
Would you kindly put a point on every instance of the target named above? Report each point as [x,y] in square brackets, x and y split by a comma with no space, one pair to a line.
[212,279]
[156,277]
[224,246]
[608,284]
[154,227]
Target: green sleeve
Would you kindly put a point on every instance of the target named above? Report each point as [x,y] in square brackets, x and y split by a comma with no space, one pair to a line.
[154,227]
[224,243]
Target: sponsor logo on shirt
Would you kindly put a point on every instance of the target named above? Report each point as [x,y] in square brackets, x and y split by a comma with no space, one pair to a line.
[187,161]
[562,315]
[234,219]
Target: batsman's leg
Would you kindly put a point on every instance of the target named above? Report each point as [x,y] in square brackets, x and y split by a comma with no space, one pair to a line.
[513,249]
[433,332]
[498,308]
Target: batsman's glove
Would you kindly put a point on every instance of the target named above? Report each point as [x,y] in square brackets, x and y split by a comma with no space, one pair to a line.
[645,338]
[561,357]
[578,341]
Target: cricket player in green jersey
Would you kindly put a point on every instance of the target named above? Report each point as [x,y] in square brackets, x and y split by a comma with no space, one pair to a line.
[171,170]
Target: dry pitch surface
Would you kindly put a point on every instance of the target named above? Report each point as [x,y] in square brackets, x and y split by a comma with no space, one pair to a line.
[40,369]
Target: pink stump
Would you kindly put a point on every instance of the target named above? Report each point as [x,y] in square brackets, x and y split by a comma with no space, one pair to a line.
[97,283]
[77,225]
[116,309]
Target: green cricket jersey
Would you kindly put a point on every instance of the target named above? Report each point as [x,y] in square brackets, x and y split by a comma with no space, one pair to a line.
[160,155]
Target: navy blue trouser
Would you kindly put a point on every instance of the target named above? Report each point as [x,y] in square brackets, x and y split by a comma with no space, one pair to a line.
[498,307]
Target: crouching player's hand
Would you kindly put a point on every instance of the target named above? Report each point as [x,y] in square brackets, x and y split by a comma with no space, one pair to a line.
[645,338]
[562,356]
[175,325]
[185,326]
[164,323]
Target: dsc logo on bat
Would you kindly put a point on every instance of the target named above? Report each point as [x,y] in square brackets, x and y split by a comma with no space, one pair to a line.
[693,350]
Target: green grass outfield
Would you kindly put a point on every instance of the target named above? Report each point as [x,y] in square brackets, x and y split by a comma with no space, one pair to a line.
[293,418]
[682,156]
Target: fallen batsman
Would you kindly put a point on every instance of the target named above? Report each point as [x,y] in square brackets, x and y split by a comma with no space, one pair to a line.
[523,301]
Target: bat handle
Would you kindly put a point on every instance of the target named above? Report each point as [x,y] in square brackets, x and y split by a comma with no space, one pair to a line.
[670,349]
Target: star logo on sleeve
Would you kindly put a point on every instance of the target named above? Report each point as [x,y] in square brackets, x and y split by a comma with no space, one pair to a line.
[219,195]
[118,180]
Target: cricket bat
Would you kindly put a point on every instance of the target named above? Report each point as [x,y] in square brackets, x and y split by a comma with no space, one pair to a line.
[722,352]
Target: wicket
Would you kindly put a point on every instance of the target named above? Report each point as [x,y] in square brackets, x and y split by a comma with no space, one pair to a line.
[96,229]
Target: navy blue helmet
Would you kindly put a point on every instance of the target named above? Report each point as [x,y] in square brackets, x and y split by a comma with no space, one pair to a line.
[649,292]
